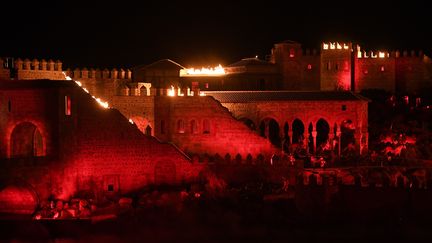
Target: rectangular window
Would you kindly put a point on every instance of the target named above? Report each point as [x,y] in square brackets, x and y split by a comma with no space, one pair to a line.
[67,105]
[110,188]
[328,66]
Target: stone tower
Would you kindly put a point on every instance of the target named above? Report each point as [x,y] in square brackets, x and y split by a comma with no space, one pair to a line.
[336,66]
[288,56]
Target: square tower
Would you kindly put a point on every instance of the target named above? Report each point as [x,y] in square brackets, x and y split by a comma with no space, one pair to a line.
[336,59]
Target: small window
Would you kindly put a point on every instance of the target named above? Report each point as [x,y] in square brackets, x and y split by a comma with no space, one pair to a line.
[67,105]
[344,107]
[206,126]
[180,126]
[162,127]
[382,69]
[110,188]
[206,85]
[365,71]
[309,67]
[328,66]
[337,66]
[291,52]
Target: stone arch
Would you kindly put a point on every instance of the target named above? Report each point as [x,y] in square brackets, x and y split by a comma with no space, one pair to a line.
[193,127]
[298,130]
[248,122]
[26,141]
[269,128]
[347,139]
[18,197]
[141,123]
[180,126]
[148,130]
[165,172]
[323,130]
[123,89]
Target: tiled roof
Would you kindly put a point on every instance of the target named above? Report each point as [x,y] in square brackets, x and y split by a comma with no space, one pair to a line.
[250,61]
[257,96]
[162,64]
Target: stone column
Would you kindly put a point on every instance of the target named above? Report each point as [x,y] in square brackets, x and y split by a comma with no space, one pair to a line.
[314,135]
[330,139]
[290,134]
[147,86]
[358,137]
[338,135]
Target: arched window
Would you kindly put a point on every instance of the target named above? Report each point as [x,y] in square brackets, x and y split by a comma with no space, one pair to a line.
[206,126]
[309,67]
[292,52]
[382,69]
[180,126]
[193,127]
[26,141]
[148,130]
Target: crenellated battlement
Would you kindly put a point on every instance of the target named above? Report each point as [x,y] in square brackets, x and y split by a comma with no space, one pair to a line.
[91,73]
[336,46]
[36,65]
[386,54]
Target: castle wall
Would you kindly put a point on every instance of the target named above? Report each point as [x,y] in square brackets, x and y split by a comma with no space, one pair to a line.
[4,73]
[411,72]
[140,109]
[375,73]
[288,57]
[223,135]
[311,69]
[97,150]
[38,69]
[336,67]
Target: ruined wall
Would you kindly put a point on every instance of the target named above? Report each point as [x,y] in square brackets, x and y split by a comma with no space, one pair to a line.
[201,125]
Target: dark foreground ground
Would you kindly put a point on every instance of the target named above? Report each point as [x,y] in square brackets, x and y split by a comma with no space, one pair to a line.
[242,220]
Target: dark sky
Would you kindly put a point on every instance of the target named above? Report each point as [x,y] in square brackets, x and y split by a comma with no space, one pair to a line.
[124,34]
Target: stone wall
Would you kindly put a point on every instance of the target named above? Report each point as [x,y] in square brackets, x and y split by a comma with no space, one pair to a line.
[201,125]
[92,149]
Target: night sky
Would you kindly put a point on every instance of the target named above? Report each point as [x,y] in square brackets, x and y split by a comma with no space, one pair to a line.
[126,34]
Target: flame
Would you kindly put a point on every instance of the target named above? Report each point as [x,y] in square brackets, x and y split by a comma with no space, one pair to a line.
[338,46]
[102,103]
[345,46]
[381,54]
[171,91]
[131,121]
[325,46]
[332,46]
[216,71]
